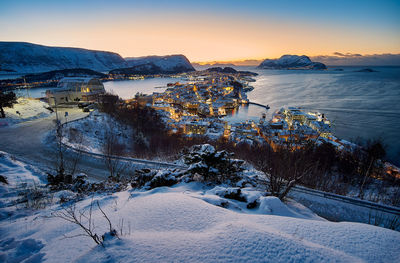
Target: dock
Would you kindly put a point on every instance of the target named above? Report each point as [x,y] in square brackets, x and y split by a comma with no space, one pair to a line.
[258,104]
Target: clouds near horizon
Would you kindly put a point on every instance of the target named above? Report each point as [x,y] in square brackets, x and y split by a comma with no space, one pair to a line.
[349,59]
[336,59]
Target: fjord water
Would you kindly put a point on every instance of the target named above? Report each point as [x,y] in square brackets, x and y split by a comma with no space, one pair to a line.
[127,89]
[362,105]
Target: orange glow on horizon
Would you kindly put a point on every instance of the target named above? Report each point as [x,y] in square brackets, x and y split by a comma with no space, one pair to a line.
[208,38]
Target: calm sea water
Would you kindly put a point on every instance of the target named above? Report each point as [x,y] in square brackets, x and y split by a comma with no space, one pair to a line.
[360,105]
[126,89]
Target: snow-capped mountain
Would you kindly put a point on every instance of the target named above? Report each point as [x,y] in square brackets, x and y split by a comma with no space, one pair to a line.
[25,57]
[291,62]
[167,64]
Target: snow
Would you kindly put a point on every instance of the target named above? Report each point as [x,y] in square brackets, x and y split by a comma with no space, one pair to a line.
[337,210]
[166,63]
[291,61]
[183,224]
[89,134]
[20,177]
[31,58]
[29,109]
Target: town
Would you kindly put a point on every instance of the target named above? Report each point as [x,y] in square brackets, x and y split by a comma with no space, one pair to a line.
[198,108]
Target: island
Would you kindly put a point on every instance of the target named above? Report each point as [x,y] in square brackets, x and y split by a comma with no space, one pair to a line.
[291,62]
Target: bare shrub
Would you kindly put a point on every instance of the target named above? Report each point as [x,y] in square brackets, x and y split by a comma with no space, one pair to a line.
[35,197]
[86,222]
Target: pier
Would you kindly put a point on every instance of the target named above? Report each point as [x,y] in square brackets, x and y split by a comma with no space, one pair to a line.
[258,104]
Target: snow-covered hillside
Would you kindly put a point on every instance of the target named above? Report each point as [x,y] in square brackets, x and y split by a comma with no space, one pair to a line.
[189,222]
[25,57]
[170,63]
[89,134]
[291,62]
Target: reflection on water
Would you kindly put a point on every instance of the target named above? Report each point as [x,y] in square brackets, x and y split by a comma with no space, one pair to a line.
[245,112]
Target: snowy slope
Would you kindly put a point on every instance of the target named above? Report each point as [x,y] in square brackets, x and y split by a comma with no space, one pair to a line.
[25,110]
[19,176]
[89,134]
[174,225]
[31,58]
[291,62]
[184,223]
[166,63]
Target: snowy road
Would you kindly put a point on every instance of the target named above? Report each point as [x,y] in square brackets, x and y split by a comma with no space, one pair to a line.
[25,142]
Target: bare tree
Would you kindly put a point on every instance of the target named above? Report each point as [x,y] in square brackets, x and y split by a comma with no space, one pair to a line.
[285,165]
[72,163]
[374,151]
[112,149]
[65,165]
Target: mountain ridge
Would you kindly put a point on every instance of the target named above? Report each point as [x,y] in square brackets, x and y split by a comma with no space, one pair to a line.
[24,57]
[291,62]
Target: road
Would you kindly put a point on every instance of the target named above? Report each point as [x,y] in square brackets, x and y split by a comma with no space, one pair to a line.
[26,142]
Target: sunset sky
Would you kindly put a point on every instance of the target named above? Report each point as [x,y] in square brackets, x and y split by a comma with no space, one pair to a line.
[207,30]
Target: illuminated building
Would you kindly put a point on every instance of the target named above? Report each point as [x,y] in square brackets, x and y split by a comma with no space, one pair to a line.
[73,90]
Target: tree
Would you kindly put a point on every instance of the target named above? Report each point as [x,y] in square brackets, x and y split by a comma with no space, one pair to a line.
[108,103]
[65,164]
[375,150]
[211,165]
[112,149]
[285,166]
[6,100]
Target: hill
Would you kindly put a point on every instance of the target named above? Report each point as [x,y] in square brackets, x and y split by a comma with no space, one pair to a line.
[22,57]
[291,62]
[156,65]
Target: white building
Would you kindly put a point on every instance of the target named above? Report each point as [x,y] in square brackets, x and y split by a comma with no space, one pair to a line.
[70,90]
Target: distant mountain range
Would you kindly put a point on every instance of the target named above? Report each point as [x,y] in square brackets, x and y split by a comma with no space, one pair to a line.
[291,62]
[22,57]
[150,65]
